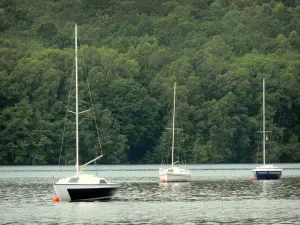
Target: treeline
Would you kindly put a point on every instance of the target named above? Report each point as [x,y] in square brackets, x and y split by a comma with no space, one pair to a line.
[218,52]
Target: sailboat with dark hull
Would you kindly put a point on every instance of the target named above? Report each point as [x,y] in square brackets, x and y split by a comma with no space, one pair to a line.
[265,171]
[83,187]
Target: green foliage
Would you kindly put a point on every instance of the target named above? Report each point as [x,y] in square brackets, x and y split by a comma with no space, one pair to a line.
[133,51]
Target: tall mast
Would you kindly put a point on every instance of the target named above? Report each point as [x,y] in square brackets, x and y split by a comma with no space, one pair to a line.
[76,112]
[264,124]
[173,127]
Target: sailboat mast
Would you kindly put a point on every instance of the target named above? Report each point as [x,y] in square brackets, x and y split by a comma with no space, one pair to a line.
[173,127]
[264,124]
[76,112]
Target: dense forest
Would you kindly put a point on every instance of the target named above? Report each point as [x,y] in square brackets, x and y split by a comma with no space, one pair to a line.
[131,53]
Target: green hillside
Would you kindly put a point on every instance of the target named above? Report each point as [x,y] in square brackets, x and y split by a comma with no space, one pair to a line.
[133,51]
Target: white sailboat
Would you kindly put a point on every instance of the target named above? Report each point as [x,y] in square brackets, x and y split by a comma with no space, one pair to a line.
[83,187]
[265,171]
[174,173]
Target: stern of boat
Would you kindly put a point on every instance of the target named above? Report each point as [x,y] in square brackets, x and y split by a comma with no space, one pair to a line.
[267,172]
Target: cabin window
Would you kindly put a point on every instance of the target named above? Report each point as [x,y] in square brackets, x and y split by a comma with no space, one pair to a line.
[170,170]
[74,180]
[102,181]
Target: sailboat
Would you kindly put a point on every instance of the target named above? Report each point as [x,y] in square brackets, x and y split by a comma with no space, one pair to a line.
[265,171]
[83,187]
[174,173]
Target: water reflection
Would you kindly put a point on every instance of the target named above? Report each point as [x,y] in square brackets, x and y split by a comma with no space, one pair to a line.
[276,189]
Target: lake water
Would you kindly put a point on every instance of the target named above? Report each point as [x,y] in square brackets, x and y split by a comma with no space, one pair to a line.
[217,194]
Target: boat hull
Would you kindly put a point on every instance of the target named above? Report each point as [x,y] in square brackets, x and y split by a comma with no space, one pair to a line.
[78,192]
[173,177]
[174,174]
[267,175]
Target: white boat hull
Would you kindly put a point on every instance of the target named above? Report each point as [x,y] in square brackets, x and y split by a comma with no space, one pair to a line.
[174,174]
[173,177]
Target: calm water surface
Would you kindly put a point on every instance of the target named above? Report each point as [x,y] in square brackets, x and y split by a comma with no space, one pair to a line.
[218,194]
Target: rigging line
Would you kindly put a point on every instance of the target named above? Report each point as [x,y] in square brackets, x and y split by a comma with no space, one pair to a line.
[268,146]
[90,94]
[258,137]
[169,146]
[255,154]
[177,146]
[65,122]
[163,156]
[257,151]
[81,126]
[182,148]
[258,157]
[183,138]
[272,153]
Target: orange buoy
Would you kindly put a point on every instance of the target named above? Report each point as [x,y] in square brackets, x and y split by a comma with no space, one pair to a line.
[251,178]
[163,181]
[56,199]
